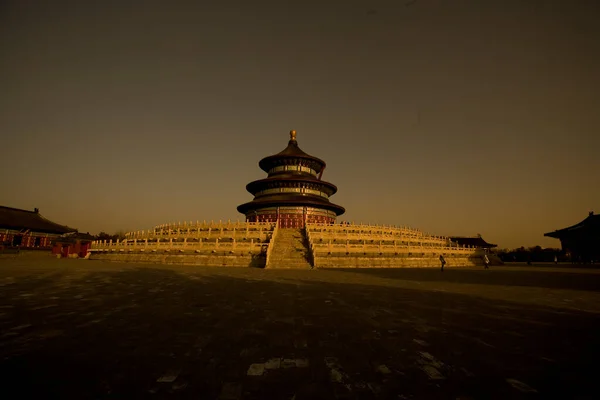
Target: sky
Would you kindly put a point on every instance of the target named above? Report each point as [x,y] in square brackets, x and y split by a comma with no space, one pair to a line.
[456,117]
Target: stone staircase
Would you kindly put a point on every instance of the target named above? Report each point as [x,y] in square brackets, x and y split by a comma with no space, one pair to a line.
[290,250]
[495,260]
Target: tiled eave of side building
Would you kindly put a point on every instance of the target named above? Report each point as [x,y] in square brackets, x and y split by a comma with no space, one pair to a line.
[16,220]
[472,241]
[590,225]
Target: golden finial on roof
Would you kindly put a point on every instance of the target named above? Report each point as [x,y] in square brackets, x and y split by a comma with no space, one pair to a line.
[292,135]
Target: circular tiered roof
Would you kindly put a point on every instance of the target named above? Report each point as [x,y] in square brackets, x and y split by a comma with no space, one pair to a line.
[294,179]
[290,155]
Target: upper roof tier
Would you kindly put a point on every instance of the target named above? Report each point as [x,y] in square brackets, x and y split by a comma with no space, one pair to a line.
[290,153]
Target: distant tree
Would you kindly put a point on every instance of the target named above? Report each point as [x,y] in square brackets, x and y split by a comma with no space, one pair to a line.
[103,236]
[119,235]
[534,254]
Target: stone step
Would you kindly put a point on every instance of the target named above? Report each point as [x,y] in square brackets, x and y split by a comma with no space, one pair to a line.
[295,262]
[290,266]
[289,250]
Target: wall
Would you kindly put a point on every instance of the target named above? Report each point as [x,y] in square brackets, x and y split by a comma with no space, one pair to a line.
[66,249]
[213,260]
[393,262]
[28,240]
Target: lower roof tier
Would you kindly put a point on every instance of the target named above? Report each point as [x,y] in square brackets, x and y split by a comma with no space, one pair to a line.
[285,200]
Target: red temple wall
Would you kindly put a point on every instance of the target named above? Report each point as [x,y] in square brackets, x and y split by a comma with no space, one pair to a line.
[292,219]
[28,240]
[64,249]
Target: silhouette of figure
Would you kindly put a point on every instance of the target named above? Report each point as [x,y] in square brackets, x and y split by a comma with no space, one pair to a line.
[443,261]
[486,261]
[555,260]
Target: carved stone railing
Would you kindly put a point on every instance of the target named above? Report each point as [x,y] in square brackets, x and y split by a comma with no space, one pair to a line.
[320,233]
[145,245]
[328,248]
[271,245]
[206,230]
[372,229]
[351,239]
[311,249]
[420,241]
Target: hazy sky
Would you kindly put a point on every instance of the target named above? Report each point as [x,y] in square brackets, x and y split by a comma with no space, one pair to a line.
[456,117]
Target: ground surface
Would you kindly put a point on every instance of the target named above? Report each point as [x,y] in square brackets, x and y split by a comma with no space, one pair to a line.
[78,329]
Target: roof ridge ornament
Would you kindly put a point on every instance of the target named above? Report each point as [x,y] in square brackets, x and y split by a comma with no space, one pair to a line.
[293,135]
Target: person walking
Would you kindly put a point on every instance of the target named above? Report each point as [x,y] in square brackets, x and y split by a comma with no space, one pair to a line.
[442,261]
[486,261]
[555,259]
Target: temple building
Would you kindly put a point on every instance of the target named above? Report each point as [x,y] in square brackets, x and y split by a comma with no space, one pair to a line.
[476,241]
[581,242]
[293,193]
[290,223]
[28,229]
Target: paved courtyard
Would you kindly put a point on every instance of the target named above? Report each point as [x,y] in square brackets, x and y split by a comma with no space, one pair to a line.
[79,329]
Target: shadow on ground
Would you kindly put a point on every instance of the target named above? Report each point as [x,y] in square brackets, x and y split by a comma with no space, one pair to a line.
[131,332]
[502,276]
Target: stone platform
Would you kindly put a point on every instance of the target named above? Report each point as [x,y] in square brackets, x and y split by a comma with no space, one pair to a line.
[74,329]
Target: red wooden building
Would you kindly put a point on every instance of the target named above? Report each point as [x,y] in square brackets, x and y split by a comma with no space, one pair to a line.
[28,229]
[71,244]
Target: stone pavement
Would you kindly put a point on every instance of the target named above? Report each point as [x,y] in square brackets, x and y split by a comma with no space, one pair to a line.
[80,329]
